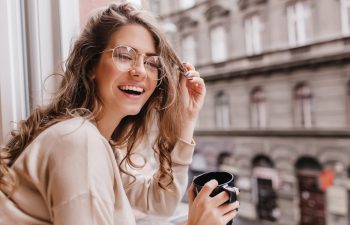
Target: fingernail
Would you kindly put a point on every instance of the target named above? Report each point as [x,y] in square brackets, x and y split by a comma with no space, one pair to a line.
[187,73]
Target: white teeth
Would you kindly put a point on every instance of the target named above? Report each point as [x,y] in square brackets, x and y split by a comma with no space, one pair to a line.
[131,88]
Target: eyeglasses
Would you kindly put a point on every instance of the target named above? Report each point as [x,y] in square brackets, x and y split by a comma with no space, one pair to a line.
[125,59]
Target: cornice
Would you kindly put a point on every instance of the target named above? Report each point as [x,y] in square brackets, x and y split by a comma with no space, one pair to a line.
[297,133]
[281,66]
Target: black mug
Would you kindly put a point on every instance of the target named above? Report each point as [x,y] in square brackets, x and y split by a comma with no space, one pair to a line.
[225,183]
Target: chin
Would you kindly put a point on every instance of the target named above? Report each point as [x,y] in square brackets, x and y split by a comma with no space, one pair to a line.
[133,112]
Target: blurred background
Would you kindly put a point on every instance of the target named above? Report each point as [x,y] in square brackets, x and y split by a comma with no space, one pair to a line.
[277,111]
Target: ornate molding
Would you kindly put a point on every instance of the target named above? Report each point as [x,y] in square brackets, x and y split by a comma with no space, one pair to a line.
[244,4]
[216,11]
[186,22]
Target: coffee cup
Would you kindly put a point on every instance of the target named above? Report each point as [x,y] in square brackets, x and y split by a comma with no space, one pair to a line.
[225,183]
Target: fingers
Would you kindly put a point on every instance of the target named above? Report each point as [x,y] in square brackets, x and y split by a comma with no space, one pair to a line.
[188,66]
[207,189]
[236,190]
[229,216]
[196,82]
[190,71]
[191,194]
[191,74]
[220,199]
[226,208]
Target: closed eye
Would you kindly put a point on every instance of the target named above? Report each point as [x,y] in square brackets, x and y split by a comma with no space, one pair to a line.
[123,57]
[153,65]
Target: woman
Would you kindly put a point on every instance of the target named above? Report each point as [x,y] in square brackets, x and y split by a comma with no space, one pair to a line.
[66,164]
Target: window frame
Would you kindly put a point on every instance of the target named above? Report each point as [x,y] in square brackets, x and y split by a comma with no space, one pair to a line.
[303,110]
[299,22]
[253,34]
[258,108]
[345,16]
[222,110]
[14,97]
[216,44]
[347,104]
[192,57]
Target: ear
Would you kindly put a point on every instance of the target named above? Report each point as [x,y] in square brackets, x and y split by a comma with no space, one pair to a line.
[93,74]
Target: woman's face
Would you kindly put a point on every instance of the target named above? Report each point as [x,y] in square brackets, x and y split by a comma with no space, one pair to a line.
[124,92]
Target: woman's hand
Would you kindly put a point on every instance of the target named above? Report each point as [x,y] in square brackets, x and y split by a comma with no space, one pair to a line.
[192,91]
[192,96]
[206,210]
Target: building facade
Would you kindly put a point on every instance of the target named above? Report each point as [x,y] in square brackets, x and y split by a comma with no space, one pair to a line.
[277,110]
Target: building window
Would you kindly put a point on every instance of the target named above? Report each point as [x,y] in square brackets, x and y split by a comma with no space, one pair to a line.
[185,4]
[222,110]
[155,7]
[258,108]
[303,106]
[348,102]
[345,16]
[299,23]
[189,49]
[252,27]
[218,44]
[265,184]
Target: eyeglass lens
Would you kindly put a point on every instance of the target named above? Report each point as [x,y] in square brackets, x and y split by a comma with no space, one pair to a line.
[125,58]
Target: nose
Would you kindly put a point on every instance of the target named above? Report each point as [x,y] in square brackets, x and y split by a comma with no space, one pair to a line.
[139,70]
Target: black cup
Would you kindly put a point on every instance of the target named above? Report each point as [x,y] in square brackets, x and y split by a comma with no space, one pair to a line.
[225,183]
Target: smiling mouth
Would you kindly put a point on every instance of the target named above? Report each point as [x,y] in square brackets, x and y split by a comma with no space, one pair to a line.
[132,90]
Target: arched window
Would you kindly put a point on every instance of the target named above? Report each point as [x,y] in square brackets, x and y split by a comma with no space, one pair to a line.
[258,108]
[311,196]
[303,106]
[265,184]
[262,161]
[222,110]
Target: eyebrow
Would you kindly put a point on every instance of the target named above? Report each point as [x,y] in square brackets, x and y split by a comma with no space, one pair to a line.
[150,54]
[138,51]
[146,53]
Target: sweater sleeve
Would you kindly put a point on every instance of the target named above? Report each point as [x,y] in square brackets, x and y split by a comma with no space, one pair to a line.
[80,180]
[145,194]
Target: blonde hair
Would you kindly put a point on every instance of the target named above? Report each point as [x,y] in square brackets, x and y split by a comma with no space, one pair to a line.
[77,96]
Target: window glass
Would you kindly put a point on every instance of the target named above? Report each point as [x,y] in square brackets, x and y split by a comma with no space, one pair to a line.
[218,44]
[252,27]
[299,23]
[345,16]
[222,110]
[303,106]
[189,49]
[258,108]
[184,4]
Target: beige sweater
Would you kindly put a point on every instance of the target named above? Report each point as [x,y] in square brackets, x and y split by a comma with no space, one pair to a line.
[69,175]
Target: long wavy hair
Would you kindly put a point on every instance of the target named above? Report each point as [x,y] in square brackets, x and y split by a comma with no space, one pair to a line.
[77,96]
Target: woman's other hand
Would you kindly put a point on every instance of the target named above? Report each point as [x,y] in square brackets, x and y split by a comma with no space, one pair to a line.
[192,96]
[192,91]
[206,210]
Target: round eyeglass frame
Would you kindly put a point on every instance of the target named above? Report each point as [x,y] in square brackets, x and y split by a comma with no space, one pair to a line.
[160,75]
